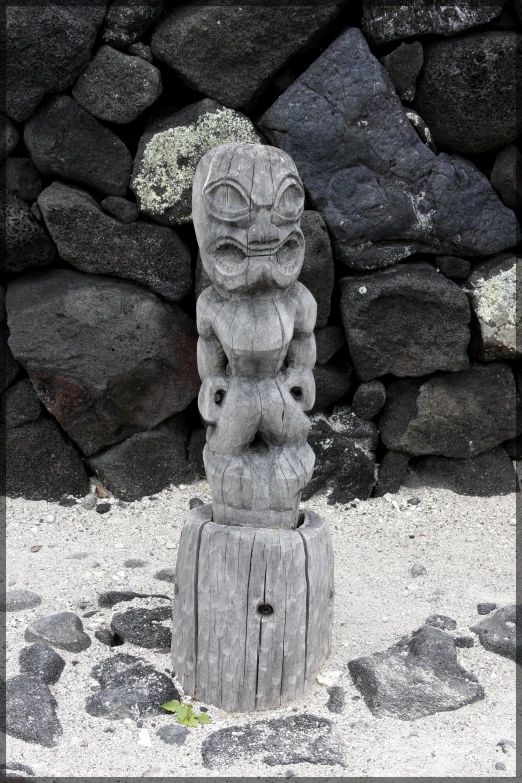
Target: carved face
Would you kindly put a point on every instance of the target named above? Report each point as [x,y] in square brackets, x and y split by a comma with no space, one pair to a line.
[247,201]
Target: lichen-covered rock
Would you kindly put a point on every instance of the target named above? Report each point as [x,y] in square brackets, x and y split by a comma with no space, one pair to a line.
[125,23]
[406,320]
[93,242]
[21,404]
[117,87]
[382,193]
[47,47]
[495,301]
[66,141]
[403,66]
[485,475]
[457,414]
[170,150]
[467,90]
[230,53]
[27,243]
[21,177]
[506,176]
[108,358]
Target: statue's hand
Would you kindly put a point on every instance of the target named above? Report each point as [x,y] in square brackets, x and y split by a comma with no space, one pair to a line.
[211,397]
[301,384]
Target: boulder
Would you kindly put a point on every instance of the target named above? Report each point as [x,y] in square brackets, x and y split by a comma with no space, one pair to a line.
[20,176]
[94,242]
[117,87]
[21,404]
[455,415]
[144,627]
[332,382]
[453,267]
[108,358]
[18,600]
[141,50]
[43,463]
[317,273]
[63,630]
[495,302]
[403,65]
[506,176]
[393,467]
[169,151]
[328,341]
[382,193]
[123,209]
[406,320]
[66,141]
[467,91]
[27,243]
[499,633]
[384,21]
[485,475]
[231,53]
[145,463]
[368,399]
[125,23]
[9,135]
[30,710]
[41,661]
[47,47]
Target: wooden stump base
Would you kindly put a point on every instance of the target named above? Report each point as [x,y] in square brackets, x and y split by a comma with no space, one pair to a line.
[252,612]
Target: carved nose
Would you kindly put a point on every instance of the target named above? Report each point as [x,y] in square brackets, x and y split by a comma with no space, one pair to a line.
[263,231]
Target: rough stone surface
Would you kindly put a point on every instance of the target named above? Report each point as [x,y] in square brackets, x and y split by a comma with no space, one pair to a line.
[407,320]
[392,470]
[145,463]
[485,475]
[47,46]
[418,676]
[384,21]
[403,66]
[27,243]
[131,364]
[110,598]
[10,136]
[21,404]
[117,87]
[9,367]
[143,627]
[451,414]
[43,464]
[169,151]
[141,50]
[230,53]
[290,740]
[495,302]
[94,242]
[41,661]
[130,687]
[336,699]
[19,599]
[21,177]
[486,607]
[442,622]
[368,399]
[498,633]
[124,210]
[382,193]
[173,735]
[30,709]
[197,441]
[506,176]
[66,141]
[332,382]
[317,273]
[467,91]
[328,341]
[453,267]
[63,630]
[166,575]
[513,446]
[126,23]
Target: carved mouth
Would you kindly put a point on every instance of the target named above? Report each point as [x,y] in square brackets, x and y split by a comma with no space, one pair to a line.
[230,254]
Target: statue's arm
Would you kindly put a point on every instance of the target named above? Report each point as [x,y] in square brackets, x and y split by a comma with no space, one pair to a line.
[300,358]
[212,361]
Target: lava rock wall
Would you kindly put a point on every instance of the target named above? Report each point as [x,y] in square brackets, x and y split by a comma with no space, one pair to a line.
[402,121]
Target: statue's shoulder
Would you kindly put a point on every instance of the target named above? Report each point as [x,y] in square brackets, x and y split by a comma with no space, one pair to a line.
[207,306]
[306,308]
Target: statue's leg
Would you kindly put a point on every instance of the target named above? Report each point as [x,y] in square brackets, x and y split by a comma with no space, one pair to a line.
[283,421]
[239,419]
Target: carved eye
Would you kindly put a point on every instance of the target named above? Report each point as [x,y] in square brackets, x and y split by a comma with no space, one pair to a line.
[290,201]
[225,200]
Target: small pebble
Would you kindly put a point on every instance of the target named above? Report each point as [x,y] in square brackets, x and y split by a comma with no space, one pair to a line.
[195,502]
[50,518]
[89,501]
[289,774]
[103,508]
[418,569]
[144,738]
[67,502]
[486,607]
[500,765]
[134,562]
[414,501]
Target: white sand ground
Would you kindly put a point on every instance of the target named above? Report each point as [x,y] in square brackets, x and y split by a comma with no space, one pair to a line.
[466,544]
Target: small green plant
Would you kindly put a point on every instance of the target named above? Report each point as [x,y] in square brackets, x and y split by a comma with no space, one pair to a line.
[185,714]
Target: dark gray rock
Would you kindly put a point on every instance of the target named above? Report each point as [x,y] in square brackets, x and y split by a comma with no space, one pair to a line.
[130,688]
[47,45]
[422,129]
[134,562]
[328,341]
[231,53]
[368,399]
[403,66]
[166,575]
[146,462]
[9,135]
[466,642]
[383,22]
[121,208]
[332,382]
[169,151]
[141,50]
[12,768]
[110,598]
[196,445]
[63,630]
[9,367]
[486,607]
[453,267]
[418,676]
[43,463]
[41,661]
[106,637]
[17,600]
[94,242]
[506,176]
[27,243]
[143,627]
[498,633]
[117,87]
[492,289]
[407,320]
[20,176]
[290,740]
[67,502]
[418,569]
[317,273]
[392,470]
[442,622]
[126,23]
[30,711]
[66,141]
[173,735]
[513,446]
[485,475]
[467,91]
[382,193]
[3,311]
[195,503]
[336,699]
[21,404]
[451,414]
[103,508]
[344,448]
[131,364]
